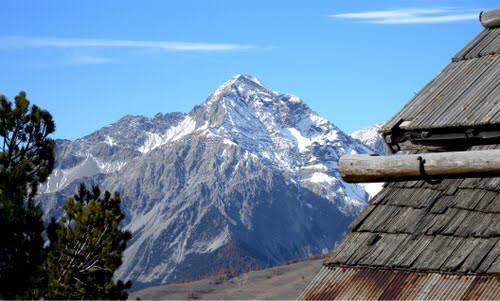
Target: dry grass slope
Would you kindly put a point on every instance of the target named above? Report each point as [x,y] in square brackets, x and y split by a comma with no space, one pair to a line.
[283,282]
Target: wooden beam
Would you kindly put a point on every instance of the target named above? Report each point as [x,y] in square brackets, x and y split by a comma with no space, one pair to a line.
[367,168]
[490,18]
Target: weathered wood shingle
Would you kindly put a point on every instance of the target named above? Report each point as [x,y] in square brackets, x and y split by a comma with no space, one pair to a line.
[452,226]
[427,240]
[466,93]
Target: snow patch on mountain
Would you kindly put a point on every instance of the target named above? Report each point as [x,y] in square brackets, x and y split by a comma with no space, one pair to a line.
[89,166]
[372,188]
[154,140]
[110,141]
[302,142]
[319,177]
[371,136]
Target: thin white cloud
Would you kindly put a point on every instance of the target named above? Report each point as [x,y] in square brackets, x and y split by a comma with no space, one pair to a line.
[27,42]
[382,14]
[411,16]
[90,60]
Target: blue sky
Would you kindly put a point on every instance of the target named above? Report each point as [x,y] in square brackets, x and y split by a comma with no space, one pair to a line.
[354,62]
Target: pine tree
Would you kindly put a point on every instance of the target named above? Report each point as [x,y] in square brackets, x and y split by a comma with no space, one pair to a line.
[26,160]
[86,248]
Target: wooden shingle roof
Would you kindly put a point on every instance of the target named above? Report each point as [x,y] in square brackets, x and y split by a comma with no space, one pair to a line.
[426,239]
[450,227]
[465,94]
[419,241]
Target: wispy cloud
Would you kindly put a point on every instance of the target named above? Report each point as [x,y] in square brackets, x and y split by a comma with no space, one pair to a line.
[27,42]
[90,60]
[411,15]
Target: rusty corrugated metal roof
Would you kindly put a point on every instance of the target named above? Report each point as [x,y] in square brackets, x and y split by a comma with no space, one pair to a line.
[352,283]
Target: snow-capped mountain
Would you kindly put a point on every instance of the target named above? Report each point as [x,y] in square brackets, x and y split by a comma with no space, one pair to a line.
[247,178]
[370,136]
[108,149]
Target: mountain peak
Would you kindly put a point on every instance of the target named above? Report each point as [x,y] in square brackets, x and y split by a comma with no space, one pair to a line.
[245,78]
[241,83]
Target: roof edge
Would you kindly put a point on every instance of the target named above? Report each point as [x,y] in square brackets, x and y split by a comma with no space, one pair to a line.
[490,18]
[458,138]
[408,270]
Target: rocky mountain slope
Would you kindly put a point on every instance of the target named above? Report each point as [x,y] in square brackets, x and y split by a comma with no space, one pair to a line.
[247,178]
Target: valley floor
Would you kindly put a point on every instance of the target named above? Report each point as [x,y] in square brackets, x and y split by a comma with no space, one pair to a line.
[283,282]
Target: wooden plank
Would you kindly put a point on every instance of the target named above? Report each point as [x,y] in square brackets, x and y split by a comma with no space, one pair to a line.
[494,46]
[438,251]
[441,205]
[384,249]
[406,221]
[461,54]
[454,223]
[468,198]
[445,102]
[440,222]
[490,258]
[427,93]
[474,224]
[486,200]
[485,42]
[478,255]
[494,227]
[361,217]
[380,215]
[494,207]
[367,168]
[459,255]
[411,253]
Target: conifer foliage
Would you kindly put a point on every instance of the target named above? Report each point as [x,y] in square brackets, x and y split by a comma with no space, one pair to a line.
[26,160]
[27,156]
[86,248]
[82,249]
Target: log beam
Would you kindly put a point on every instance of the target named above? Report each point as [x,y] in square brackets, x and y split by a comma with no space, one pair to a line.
[367,168]
[490,18]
